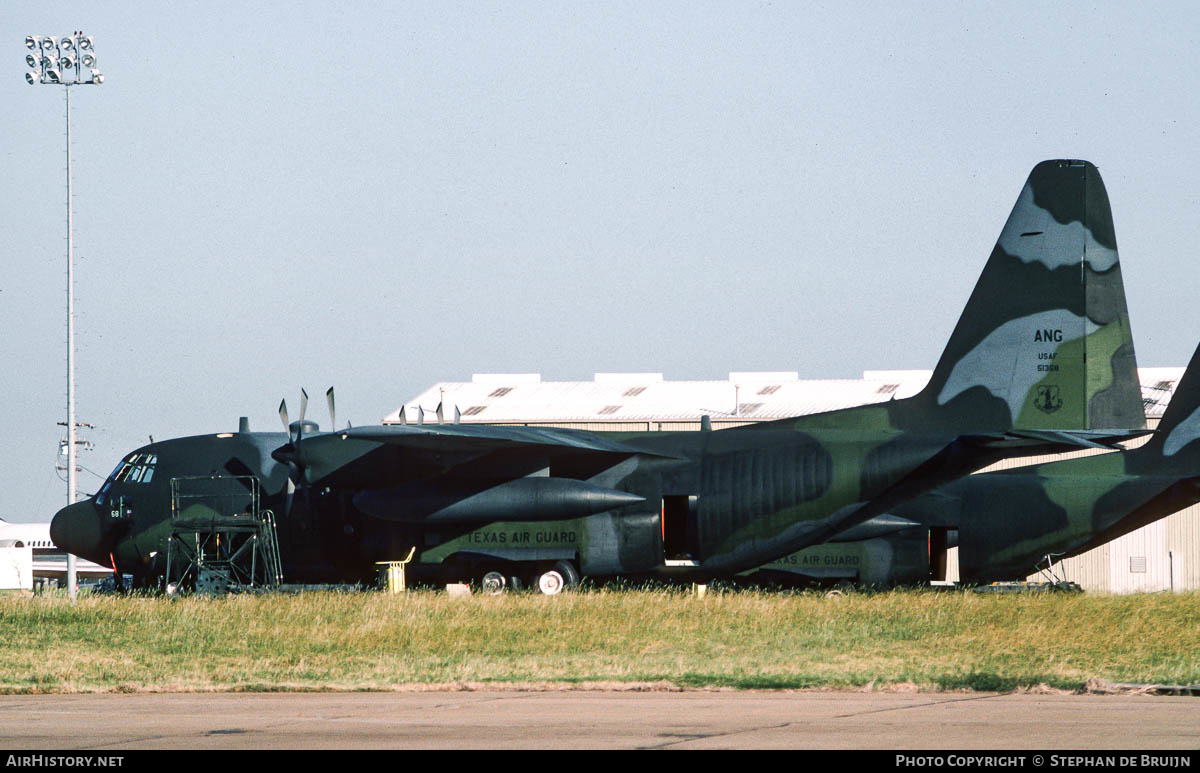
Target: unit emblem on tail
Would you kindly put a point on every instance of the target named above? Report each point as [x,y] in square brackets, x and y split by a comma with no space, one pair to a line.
[1048,400]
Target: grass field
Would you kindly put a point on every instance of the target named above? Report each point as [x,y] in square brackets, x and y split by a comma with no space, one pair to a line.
[742,639]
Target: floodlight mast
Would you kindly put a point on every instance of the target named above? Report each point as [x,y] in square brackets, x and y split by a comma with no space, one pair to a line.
[61,62]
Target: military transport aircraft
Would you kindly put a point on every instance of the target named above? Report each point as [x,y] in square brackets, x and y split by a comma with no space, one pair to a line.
[1009,521]
[1041,360]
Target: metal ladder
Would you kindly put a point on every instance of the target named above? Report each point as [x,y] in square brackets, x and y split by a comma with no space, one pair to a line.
[273,569]
[220,540]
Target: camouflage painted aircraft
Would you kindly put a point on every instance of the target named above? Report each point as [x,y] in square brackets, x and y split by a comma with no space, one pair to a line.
[1009,521]
[1041,360]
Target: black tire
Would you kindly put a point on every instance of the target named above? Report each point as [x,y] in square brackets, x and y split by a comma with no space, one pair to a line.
[569,573]
[553,580]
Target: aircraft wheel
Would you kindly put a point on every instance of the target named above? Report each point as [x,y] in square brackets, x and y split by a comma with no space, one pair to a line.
[493,583]
[840,590]
[569,573]
[562,576]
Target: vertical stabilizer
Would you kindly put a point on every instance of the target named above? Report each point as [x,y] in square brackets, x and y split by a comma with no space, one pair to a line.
[1174,442]
[1044,341]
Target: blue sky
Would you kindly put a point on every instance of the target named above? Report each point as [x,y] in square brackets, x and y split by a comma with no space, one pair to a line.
[384,195]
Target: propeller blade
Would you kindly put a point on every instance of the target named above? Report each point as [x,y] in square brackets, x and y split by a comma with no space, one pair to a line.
[439,414]
[420,415]
[283,416]
[332,415]
[404,414]
[291,492]
[300,423]
[457,415]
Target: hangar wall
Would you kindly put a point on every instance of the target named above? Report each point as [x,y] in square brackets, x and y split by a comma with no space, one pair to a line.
[1163,556]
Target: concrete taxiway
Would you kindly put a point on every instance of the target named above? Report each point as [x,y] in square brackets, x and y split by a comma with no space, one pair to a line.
[599,720]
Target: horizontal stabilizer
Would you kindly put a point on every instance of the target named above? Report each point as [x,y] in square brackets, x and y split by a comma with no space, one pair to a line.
[1049,440]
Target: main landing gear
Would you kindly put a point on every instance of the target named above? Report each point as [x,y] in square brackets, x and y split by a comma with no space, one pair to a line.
[548,579]
[557,578]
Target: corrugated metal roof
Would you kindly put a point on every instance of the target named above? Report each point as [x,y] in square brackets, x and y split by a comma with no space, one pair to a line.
[1158,384]
[646,397]
[625,397]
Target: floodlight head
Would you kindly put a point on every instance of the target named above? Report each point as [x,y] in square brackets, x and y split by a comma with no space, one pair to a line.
[32,42]
[87,60]
[31,78]
[85,42]
[49,43]
[47,61]
[31,60]
[52,76]
[66,61]
[66,43]
[97,77]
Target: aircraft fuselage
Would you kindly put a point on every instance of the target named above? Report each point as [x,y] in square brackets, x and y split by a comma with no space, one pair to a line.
[697,503]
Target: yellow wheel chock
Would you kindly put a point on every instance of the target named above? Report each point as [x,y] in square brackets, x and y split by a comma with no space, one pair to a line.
[395,573]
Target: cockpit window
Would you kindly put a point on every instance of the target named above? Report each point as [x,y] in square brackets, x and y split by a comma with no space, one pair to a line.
[118,471]
[135,468]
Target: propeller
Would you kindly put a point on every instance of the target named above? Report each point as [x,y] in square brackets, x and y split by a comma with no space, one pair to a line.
[290,453]
[287,425]
[439,412]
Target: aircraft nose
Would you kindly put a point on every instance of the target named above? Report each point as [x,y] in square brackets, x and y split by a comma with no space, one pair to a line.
[77,529]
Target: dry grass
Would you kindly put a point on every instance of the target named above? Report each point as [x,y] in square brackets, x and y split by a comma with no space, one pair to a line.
[370,641]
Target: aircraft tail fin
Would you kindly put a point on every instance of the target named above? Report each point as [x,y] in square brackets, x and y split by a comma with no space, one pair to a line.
[1044,341]
[1174,442]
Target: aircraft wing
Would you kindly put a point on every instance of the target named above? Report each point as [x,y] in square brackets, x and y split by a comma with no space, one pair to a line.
[489,436]
[395,454]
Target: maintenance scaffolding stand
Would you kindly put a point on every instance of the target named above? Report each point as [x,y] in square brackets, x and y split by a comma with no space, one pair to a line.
[220,540]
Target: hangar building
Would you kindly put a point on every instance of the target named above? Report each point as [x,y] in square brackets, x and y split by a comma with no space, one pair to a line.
[1162,556]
